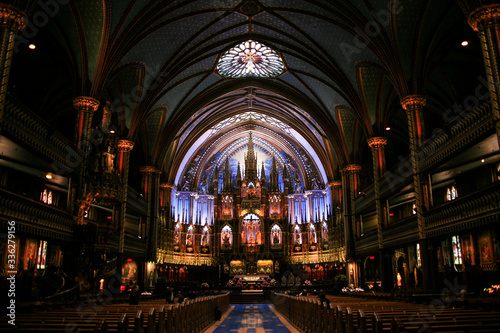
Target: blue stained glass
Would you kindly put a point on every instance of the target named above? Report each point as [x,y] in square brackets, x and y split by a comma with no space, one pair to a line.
[250,58]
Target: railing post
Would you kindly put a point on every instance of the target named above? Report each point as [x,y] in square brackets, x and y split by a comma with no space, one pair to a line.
[123,324]
[151,321]
[349,326]
[361,321]
[139,322]
[376,323]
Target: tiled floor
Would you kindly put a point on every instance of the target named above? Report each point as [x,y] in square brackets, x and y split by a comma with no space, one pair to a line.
[255,318]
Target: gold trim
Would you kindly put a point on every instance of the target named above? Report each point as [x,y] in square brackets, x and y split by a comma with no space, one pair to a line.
[335,183]
[12,17]
[351,168]
[149,169]
[412,102]
[166,185]
[377,142]
[86,104]
[485,16]
[125,145]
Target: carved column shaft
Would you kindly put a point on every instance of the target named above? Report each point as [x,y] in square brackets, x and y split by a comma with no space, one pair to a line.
[486,21]
[124,148]
[349,188]
[377,145]
[12,20]
[151,192]
[413,106]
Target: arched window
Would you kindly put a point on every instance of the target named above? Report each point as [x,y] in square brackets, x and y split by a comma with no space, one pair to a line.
[297,235]
[251,232]
[324,232]
[177,234]
[451,193]
[205,237]
[276,236]
[190,236]
[226,238]
[250,59]
[457,250]
[312,234]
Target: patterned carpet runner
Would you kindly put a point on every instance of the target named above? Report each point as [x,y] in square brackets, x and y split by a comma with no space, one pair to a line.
[255,318]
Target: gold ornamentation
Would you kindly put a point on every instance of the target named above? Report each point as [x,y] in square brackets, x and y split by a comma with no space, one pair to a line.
[351,168]
[377,142]
[485,16]
[166,185]
[87,104]
[12,17]
[149,169]
[412,102]
[125,145]
[335,183]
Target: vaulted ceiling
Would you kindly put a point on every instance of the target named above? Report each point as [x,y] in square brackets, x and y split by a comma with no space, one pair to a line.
[348,64]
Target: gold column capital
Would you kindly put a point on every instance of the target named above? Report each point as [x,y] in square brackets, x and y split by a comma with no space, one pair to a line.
[351,168]
[166,185]
[335,183]
[377,142]
[485,16]
[149,169]
[86,104]
[412,102]
[125,145]
[12,17]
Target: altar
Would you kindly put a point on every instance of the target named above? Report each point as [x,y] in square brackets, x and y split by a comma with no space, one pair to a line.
[252,281]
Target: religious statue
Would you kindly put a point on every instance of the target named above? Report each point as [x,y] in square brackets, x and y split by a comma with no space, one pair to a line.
[298,184]
[108,159]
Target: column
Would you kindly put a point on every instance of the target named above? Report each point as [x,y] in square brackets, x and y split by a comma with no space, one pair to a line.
[485,21]
[151,192]
[413,105]
[124,148]
[12,20]
[85,107]
[349,189]
[377,144]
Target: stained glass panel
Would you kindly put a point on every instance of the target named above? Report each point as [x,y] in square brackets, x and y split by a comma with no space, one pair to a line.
[250,58]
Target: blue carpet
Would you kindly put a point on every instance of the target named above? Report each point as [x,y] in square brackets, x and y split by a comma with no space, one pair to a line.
[256,318]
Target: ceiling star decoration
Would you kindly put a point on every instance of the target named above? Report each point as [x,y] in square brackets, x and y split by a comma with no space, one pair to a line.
[250,59]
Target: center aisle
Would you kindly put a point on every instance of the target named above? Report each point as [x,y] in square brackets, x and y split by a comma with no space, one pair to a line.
[255,318]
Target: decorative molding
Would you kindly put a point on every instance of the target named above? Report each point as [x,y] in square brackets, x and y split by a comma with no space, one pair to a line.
[35,217]
[485,16]
[377,142]
[86,104]
[413,102]
[335,183]
[149,169]
[351,168]
[33,131]
[166,185]
[125,145]
[12,17]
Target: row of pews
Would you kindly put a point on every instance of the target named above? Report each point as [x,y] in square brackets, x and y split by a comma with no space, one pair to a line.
[343,314]
[190,316]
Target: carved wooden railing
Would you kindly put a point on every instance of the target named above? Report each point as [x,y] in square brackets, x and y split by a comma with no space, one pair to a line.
[469,211]
[34,132]
[36,217]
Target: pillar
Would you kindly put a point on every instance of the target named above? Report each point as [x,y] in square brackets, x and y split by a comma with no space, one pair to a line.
[485,21]
[12,20]
[377,144]
[349,189]
[124,148]
[151,192]
[413,105]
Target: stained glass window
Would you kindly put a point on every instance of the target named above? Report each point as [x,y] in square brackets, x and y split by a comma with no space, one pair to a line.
[250,58]
[419,256]
[42,255]
[457,251]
